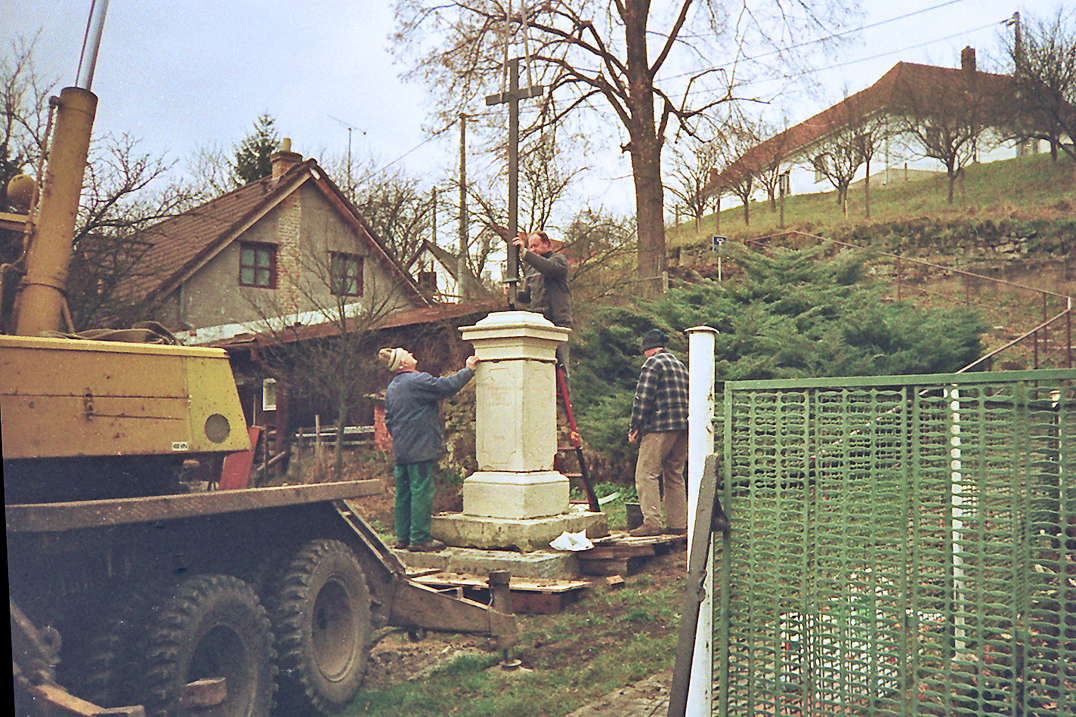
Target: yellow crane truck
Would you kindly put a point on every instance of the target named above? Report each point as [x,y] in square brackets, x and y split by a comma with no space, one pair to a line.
[131,597]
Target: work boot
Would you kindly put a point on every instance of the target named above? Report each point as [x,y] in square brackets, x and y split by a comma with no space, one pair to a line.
[676,531]
[401,545]
[430,546]
[645,530]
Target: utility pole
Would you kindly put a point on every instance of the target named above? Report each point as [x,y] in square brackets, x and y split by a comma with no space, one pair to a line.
[512,98]
[463,278]
[433,231]
[1019,61]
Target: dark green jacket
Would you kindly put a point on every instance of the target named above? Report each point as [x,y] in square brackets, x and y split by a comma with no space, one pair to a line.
[545,287]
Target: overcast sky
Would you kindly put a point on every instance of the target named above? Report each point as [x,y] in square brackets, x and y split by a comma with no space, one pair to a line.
[181,75]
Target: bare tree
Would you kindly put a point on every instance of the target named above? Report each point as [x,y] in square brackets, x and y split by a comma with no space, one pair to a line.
[944,119]
[544,177]
[398,209]
[601,249]
[871,133]
[124,192]
[1043,56]
[738,135]
[769,175]
[692,164]
[211,174]
[839,154]
[601,54]
[326,355]
[24,104]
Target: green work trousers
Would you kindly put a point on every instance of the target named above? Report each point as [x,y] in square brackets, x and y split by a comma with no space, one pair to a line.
[414,501]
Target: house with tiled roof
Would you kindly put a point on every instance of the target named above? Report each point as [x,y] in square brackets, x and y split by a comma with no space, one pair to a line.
[284,247]
[280,260]
[906,88]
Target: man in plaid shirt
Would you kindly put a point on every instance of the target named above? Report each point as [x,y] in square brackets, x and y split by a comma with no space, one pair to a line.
[659,424]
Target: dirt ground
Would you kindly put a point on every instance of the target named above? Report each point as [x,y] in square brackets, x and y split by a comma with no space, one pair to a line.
[396,659]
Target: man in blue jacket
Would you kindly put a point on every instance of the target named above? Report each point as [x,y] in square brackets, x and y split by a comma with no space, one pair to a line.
[417,441]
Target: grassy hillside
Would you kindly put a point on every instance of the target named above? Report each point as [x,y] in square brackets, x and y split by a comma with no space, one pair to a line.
[1013,220]
[1027,188]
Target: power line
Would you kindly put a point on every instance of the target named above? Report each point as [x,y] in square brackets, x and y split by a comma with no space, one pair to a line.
[839,35]
[875,57]
[888,53]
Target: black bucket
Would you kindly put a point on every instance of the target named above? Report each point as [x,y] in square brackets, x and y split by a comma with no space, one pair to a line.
[634,514]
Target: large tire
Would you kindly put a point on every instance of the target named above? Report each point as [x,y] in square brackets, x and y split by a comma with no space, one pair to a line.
[321,619]
[209,626]
[102,670]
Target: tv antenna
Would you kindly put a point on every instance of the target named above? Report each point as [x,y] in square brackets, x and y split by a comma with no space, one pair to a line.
[349,127]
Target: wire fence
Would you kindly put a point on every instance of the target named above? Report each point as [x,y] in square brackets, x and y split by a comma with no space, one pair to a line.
[900,546]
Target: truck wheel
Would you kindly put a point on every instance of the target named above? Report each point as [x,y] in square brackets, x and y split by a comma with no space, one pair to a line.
[209,626]
[321,619]
[102,670]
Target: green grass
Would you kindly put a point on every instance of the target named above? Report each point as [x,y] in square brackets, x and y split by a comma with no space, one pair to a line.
[608,640]
[1025,186]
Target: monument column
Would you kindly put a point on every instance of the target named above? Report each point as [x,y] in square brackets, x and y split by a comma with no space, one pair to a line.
[516,418]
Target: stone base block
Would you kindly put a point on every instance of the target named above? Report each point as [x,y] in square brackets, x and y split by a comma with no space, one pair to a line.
[469,561]
[515,496]
[527,535]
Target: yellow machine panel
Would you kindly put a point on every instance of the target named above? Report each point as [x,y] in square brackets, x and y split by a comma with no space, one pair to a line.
[66,398]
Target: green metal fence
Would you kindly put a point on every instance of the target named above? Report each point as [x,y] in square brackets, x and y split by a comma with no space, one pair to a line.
[900,546]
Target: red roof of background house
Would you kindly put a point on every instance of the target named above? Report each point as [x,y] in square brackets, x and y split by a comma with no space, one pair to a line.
[887,93]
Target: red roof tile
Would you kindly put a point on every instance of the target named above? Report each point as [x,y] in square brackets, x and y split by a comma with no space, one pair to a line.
[408,317]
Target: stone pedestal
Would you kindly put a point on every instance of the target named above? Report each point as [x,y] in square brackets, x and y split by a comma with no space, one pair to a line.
[515,499]
[516,418]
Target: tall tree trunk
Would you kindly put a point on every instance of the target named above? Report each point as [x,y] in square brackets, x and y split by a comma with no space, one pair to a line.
[645,151]
[649,202]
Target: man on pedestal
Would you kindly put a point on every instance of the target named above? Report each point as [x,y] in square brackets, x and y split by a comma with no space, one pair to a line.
[545,287]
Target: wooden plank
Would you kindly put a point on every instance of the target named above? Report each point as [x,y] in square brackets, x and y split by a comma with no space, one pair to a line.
[599,552]
[444,579]
[528,596]
[612,566]
[625,539]
[542,603]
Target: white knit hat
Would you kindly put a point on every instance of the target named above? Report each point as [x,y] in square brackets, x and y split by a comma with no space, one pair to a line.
[391,358]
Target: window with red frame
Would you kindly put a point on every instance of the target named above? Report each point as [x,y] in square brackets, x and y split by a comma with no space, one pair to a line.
[346,274]
[257,265]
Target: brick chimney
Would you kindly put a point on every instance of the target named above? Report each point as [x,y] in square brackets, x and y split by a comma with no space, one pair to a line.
[967,60]
[288,231]
[284,159]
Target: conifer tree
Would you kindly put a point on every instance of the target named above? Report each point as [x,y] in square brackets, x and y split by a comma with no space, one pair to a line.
[252,154]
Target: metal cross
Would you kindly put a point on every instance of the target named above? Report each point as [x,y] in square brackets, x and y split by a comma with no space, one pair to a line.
[512,97]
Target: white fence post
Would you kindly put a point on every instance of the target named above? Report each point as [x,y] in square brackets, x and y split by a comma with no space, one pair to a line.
[700,441]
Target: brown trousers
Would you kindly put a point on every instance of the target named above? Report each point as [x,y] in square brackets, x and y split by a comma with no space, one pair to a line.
[662,458]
